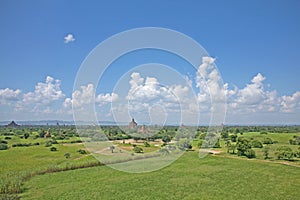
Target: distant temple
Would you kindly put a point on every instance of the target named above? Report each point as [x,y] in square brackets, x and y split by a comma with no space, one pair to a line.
[47,135]
[132,124]
[143,129]
[12,124]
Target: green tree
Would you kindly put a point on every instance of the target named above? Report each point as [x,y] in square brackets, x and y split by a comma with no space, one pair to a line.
[3,146]
[53,149]
[138,149]
[284,153]
[184,145]
[146,144]
[233,138]
[112,148]
[217,144]
[48,143]
[232,148]
[224,134]
[166,139]
[250,153]
[242,146]
[298,152]
[227,143]
[42,133]
[67,155]
[266,152]
[268,141]
[26,135]
[256,144]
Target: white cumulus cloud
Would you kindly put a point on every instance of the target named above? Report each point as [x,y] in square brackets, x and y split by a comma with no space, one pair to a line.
[7,95]
[44,93]
[69,38]
[290,103]
[86,95]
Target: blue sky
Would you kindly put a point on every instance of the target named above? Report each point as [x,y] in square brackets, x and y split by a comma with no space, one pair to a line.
[245,37]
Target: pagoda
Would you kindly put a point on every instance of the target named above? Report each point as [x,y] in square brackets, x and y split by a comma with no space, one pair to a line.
[132,124]
[12,124]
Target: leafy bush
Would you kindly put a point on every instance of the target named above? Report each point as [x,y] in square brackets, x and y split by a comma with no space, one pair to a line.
[53,149]
[76,141]
[295,140]
[268,141]
[256,144]
[26,135]
[166,139]
[48,143]
[24,144]
[242,146]
[266,152]
[138,149]
[67,155]
[3,146]
[263,132]
[284,153]
[7,138]
[250,153]
[53,141]
[3,142]
[217,145]
[99,137]
[81,151]
[184,145]
[233,138]
[297,154]
[146,144]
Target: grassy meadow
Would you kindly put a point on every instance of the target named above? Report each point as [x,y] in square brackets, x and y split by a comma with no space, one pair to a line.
[189,177]
[31,169]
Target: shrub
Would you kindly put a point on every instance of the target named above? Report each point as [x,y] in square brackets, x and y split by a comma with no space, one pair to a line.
[7,138]
[53,141]
[297,154]
[48,143]
[3,146]
[250,153]
[138,149]
[184,145]
[264,132]
[76,141]
[266,152]
[81,151]
[146,144]
[217,145]
[164,151]
[242,146]
[26,135]
[166,139]
[233,138]
[256,144]
[22,145]
[295,140]
[53,149]
[3,142]
[284,153]
[268,141]
[67,155]
[112,148]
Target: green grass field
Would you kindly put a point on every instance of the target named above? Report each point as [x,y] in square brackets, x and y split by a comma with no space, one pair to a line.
[188,178]
[35,172]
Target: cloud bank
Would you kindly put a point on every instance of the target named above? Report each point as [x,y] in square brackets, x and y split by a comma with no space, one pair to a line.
[253,101]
